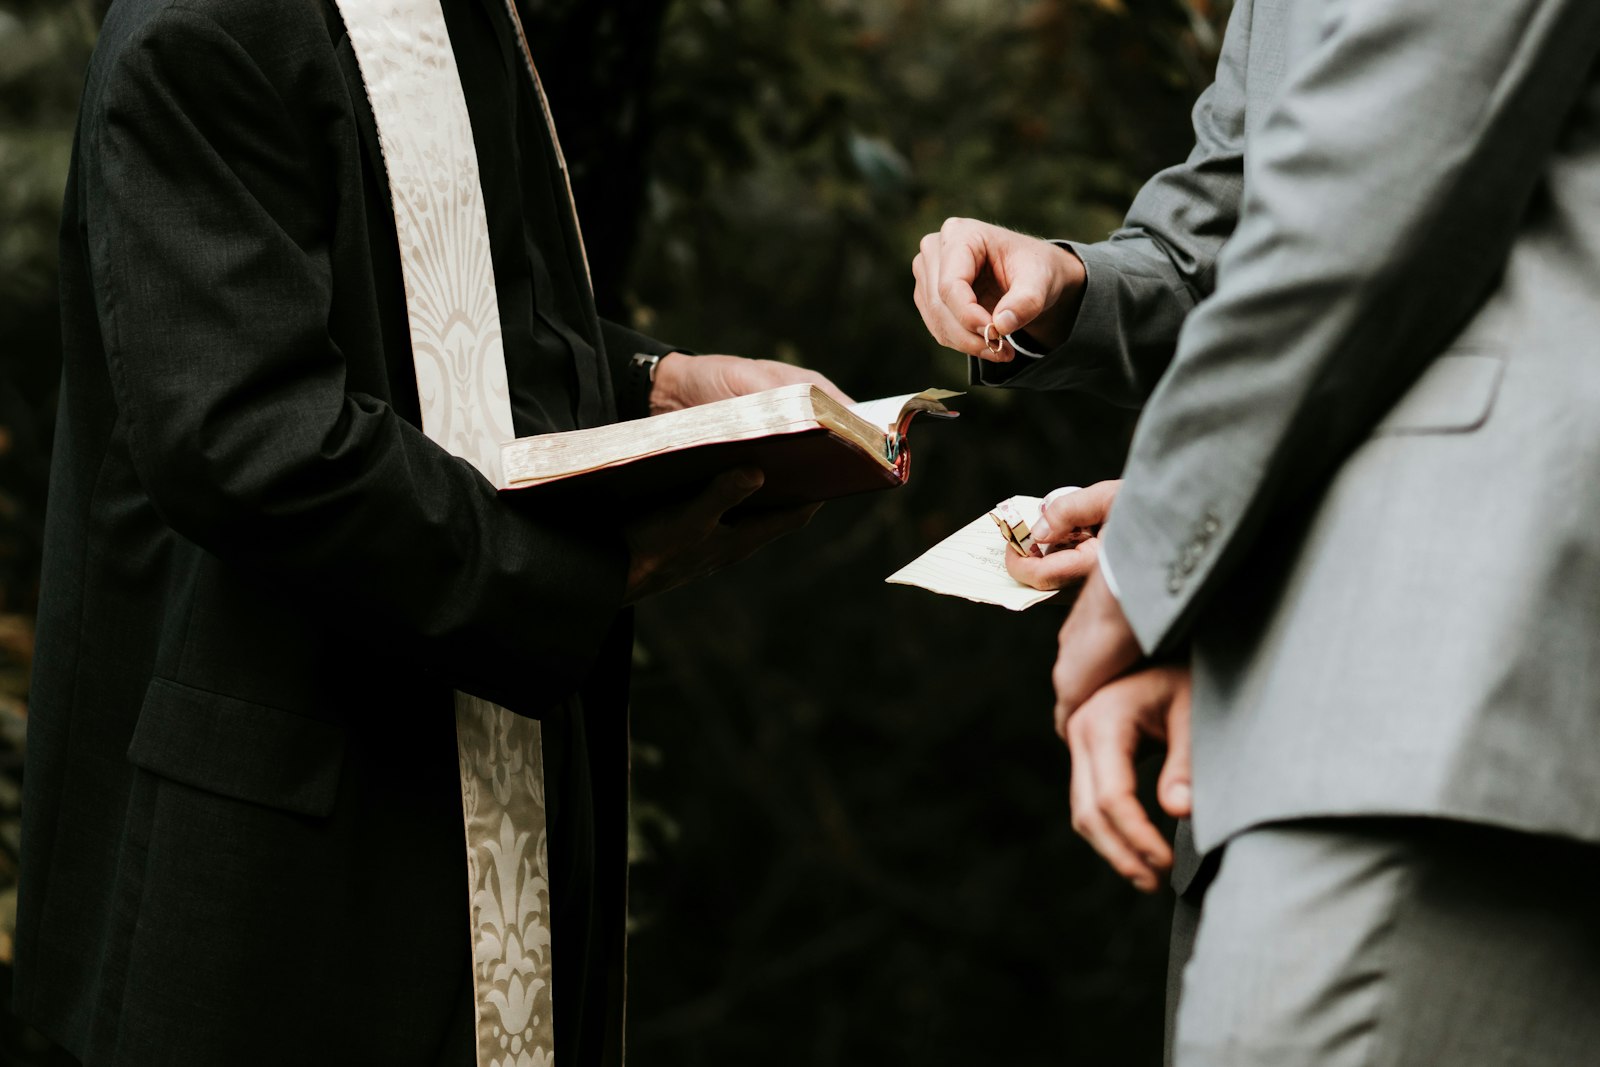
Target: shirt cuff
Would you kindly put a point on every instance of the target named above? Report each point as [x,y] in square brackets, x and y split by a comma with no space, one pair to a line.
[1020,342]
[1111,579]
[1016,340]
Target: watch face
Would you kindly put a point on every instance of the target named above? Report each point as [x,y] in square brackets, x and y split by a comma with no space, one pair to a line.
[646,362]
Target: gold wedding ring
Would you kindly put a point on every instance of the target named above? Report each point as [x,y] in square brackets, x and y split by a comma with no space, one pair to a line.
[996,344]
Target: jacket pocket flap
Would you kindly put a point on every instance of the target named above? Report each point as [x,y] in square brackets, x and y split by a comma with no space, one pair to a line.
[238,748]
[1454,395]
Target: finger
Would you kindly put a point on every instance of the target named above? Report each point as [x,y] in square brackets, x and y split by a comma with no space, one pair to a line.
[773,373]
[1116,720]
[925,268]
[1028,293]
[727,491]
[963,255]
[959,265]
[1175,789]
[1056,570]
[826,385]
[1088,815]
[943,325]
[765,525]
[926,265]
[951,333]
[1086,508]
[916,288]
[762,374]
[734,542]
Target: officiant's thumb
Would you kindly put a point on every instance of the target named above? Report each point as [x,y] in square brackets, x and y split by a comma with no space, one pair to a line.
[731,488]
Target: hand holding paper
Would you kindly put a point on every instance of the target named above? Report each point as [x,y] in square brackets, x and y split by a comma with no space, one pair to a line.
[1065,537]
[971,564]
[1018,554]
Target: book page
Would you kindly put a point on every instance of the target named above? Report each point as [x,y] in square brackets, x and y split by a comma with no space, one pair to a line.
[885,413]
[970,564]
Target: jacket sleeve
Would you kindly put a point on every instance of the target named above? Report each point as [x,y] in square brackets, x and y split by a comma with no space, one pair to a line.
[1385,191]
[209,216]
[1145,279]
[622,344]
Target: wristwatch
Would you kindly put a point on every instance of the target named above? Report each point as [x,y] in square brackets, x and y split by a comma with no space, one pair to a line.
[644,365]
[642,379]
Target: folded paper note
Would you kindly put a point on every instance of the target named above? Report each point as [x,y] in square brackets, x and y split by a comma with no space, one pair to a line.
[971,563]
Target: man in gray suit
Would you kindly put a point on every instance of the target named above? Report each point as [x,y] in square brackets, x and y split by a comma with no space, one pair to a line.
[1361,497]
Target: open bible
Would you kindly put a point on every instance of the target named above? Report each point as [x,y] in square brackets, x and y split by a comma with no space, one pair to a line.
[810,447]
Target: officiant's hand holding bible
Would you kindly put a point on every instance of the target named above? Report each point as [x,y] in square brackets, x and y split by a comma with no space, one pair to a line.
[688,381]
[677,543]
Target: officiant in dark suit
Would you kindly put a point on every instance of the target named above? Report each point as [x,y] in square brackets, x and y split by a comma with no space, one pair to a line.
[264,583]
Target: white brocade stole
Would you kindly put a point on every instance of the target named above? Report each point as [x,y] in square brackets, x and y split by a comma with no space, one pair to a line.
[403,49]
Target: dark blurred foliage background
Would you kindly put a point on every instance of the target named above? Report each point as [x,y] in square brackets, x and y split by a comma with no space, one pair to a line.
[851,840]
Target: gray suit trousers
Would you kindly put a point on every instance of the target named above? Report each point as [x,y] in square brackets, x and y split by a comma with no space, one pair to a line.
[1191,877]
[1394,942]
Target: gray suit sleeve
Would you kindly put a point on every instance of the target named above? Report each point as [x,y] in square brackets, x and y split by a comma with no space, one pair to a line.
[1144,280]
[1384,193]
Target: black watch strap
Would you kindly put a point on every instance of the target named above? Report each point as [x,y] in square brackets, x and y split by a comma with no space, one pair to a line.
[641,379]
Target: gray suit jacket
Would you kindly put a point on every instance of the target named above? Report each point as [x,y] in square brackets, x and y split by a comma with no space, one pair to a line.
[1363,489]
